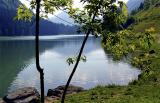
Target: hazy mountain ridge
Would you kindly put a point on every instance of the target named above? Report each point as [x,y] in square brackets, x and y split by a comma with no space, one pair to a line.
[9,4]
[69,21]
[131,4]
[134,4]
[10,27]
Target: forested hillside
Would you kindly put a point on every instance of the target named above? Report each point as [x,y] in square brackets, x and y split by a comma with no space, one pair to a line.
[10,27]
[147,16]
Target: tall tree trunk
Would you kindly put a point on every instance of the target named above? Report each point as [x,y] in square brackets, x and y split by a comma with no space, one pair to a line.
[79,55]
[40,70]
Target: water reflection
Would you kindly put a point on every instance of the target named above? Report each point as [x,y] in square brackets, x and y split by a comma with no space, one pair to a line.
[17,65]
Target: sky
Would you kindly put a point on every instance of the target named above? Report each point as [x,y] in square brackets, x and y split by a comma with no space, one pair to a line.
[76,4]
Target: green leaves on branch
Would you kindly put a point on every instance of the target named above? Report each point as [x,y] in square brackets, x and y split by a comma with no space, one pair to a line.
[142,60]
[47,7]
[117,44]
[125,42]
[72,60]
[23,13]
[108,18]
[50,6]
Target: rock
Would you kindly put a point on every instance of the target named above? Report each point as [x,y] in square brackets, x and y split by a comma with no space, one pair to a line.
[54,92]
[157,5]
[23,95]
[51,99]
[57,92]
[152,52]
[2,101]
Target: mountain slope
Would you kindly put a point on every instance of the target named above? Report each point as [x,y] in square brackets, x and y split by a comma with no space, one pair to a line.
[10,27]
[68,20]
[133,4]
[7,25]
[148,17]
[9,4]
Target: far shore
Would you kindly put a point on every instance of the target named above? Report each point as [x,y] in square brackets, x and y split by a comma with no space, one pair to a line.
[48,37]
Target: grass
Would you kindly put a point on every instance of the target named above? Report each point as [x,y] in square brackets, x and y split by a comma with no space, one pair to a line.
[118,94]
[147,19]
[144,90]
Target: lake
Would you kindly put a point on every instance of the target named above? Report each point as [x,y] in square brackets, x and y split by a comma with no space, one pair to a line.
[17,63]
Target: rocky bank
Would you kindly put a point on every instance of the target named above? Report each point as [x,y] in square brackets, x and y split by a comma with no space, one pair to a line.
[31,95]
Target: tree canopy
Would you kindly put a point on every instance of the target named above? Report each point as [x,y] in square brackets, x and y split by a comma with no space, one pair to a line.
[47,7]
[109,16]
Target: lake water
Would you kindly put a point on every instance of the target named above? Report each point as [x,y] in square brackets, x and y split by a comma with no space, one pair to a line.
[17,64]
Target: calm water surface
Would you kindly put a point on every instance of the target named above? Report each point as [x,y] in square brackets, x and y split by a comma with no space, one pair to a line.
[17,64]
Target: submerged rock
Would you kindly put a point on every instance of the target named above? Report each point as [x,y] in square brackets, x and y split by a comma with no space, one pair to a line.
[57,92]
[23,95]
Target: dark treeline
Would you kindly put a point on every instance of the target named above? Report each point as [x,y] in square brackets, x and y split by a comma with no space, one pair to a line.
[11,27]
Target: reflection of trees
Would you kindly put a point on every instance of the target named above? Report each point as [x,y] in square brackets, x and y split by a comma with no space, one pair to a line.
[70,46]
[16,55]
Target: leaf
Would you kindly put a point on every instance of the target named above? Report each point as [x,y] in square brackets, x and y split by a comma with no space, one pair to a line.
[72,60]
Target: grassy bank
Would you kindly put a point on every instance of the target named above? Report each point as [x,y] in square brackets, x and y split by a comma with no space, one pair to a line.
[118,94]
[147,19]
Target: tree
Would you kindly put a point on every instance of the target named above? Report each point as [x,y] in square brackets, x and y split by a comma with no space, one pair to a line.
[39,69]
[93,20]
[49,6]
[106,18]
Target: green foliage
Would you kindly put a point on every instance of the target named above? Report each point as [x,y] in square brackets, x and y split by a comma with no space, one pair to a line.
[23,13]
[107,11]
[124,42]
[72,60]
[109,16]
[47,7]
[50,6]
[142,60]
[116,44]
[114,19]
